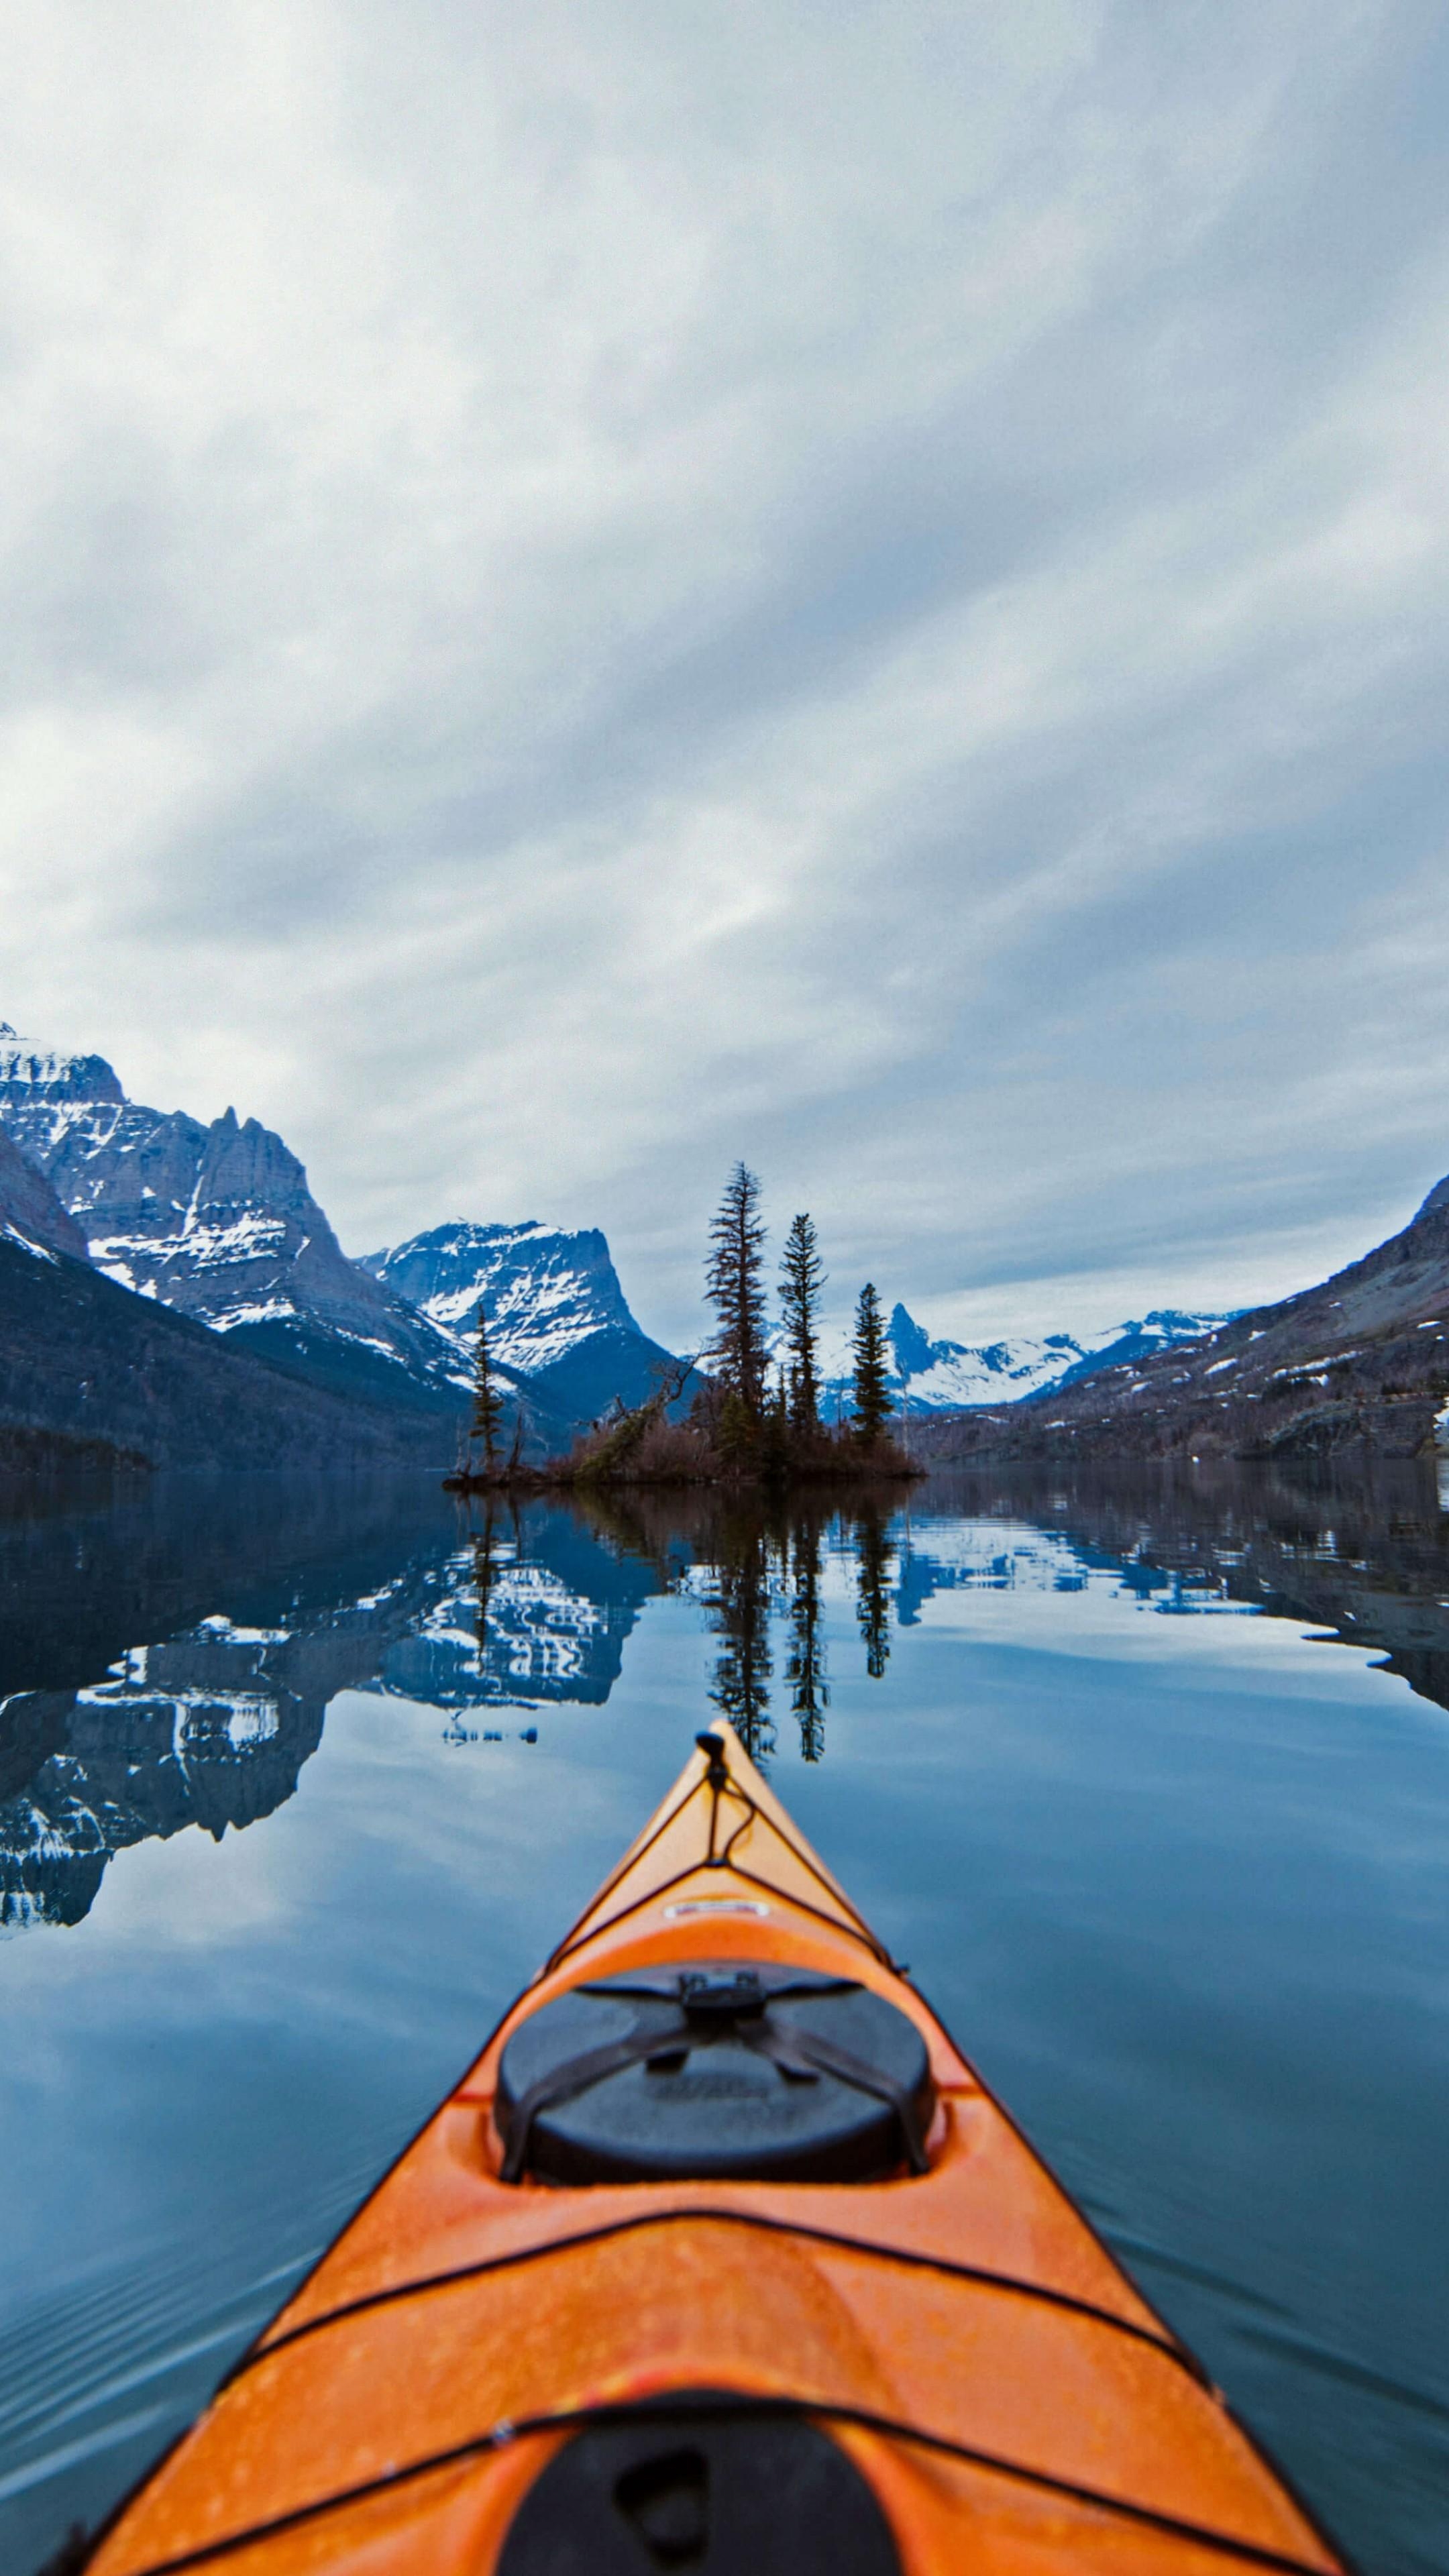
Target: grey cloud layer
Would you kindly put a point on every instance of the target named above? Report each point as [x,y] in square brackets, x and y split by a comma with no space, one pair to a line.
[599,587]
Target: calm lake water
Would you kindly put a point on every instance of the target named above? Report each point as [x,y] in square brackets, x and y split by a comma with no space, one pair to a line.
[1148,1780]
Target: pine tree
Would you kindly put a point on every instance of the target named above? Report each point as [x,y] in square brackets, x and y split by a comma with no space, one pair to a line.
[487,1402]
[736,1431]
[736,1259]
[802,1276]
[873,1406]
[774,1444]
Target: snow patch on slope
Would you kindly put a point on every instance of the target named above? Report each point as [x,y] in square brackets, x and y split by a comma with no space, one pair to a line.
[545,1290]
[216,1220]
[942,1376]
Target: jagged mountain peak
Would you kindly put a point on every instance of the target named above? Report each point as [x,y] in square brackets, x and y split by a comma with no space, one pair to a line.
[217,1220]
[934,1375]
[546,1288]
[49,1075]
[912,1345]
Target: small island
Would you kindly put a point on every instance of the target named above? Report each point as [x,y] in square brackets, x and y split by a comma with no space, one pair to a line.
[754,1418]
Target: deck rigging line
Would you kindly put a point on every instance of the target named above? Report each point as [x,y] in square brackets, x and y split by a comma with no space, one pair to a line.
[662,2410]
[854,1923]
[976,2274]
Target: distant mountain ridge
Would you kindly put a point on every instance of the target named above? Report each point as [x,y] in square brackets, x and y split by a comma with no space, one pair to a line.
[1360,1361]
[932,1377]
[217,1221]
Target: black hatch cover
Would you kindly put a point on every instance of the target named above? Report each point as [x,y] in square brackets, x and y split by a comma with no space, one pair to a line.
[713,2070]
[704,2487]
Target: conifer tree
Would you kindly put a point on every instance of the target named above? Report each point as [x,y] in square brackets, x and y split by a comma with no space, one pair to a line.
[487,1402]
[774,1444]
[802,1276]
[737,1237]
[873,1406]
[736,1431]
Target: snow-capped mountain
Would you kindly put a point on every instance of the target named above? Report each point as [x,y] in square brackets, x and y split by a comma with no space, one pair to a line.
[83,1359]
[217,1221]
[557,1316]
[545,1290]
[941,1376]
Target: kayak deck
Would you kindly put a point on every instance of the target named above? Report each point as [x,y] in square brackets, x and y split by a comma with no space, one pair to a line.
[960,2334]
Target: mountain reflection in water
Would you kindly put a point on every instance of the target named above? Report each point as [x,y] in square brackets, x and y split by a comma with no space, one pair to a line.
[301,1593]
[170,1662]
[209,1723]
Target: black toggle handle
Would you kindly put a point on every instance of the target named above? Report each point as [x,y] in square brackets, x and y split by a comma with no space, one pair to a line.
[721,1998]
[718,1772]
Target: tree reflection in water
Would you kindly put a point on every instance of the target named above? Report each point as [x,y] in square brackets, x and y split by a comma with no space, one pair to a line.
[875,1562]
[739,1600]
[167,1660]
[758,1557]
[485,1570]
[484,1575]
[805,1665]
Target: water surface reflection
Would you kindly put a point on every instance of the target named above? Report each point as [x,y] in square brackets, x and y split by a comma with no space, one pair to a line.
[1104,1757]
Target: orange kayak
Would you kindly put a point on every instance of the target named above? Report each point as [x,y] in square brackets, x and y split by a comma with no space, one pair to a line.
[720,2258]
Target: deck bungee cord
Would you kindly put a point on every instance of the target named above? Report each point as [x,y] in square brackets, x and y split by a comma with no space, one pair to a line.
[719,2214]
[710,2011]
[719,1782]
[751,2409]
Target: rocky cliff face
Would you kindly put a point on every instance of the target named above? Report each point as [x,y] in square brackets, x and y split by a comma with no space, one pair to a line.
[30,1213]
[218,1222]
[545,1290]
[557,1316]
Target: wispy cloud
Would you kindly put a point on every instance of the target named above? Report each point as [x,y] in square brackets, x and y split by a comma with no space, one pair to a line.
[594,588]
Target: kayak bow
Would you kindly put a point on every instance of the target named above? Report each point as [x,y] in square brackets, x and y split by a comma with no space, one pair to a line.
[721,2257]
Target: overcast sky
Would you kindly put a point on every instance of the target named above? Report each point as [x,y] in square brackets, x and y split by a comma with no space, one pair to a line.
[598,586]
